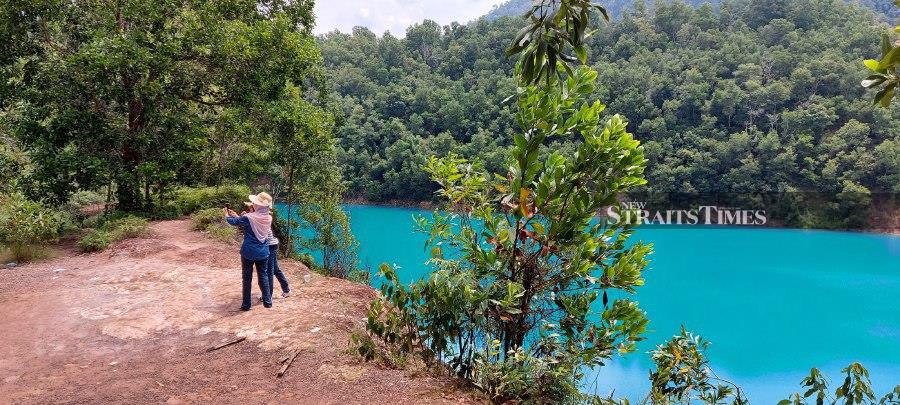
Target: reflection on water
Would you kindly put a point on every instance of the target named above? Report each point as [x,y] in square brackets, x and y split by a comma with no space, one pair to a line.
[773,302]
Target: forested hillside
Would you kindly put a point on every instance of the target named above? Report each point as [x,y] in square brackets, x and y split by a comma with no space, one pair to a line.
[618,8]
[756,96]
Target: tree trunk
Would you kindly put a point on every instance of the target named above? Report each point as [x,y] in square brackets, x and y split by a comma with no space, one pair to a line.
[128,181]
[290,207]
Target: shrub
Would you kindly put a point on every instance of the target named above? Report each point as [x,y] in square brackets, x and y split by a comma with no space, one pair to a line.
[25,225]
[168,210]
[307,260]
[13,163]
[95,240]
[127,227]
[82,200]
[530,289]
[224,233]
[115,228]
[26,253]
[92,222]
[205,217]
[192,199]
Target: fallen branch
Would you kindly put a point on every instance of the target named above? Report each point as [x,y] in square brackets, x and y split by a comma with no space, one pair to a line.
[217,347]
[287,362]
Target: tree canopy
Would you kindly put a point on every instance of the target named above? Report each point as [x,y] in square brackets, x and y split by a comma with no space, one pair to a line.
[743,97]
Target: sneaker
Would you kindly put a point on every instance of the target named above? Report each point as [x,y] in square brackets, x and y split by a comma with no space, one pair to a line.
[245,309]
[285,294]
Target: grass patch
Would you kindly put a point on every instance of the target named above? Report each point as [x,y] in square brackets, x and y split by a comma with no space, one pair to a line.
[206,217]
[127,227]
[95,240]
[114,230]
[224,233]
[24,253]
[193,199]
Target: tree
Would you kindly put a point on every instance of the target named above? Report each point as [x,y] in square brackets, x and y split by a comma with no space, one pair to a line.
[520,258]
[125,94]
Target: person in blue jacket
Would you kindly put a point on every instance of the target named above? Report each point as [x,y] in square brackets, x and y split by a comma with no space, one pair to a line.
[255,248]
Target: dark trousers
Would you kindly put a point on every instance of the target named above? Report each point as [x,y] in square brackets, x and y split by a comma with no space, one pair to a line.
[275,272]
[261,278]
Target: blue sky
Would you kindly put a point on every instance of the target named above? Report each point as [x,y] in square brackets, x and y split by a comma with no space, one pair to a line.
[394,15]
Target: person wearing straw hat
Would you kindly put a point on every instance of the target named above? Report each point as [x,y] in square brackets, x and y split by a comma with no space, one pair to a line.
[273,271]
[255,248]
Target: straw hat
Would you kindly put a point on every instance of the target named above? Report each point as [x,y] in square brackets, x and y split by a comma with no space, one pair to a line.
[261,199]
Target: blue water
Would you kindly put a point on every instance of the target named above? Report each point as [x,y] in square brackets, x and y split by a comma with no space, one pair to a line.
[773,302]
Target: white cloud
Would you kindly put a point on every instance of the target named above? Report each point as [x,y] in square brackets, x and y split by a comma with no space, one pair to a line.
[394,15]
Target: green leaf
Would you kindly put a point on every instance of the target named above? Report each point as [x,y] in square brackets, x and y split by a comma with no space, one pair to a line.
[890,59]
[872,64]
[581,53]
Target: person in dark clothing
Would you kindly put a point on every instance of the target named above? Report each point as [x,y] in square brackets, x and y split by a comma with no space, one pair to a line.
[274,272]
[255,248]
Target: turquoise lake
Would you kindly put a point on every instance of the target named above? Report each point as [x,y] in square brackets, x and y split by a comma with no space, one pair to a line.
[773,302]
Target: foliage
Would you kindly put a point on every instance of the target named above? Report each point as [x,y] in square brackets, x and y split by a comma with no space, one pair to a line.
[25,225]
[218,231]
[14,165]
[617,8]
[20,253]
[330,235]
[553,28]
[520,259]
[142,95]
[203,218]
[127,227]
[115,227]
[95,240]
[884,71]
[715,94]
[855,389]
[683,375]
[307,260]
[192,199]
[84,204]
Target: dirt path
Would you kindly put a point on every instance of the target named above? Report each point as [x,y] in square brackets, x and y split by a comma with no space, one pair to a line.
[131,325]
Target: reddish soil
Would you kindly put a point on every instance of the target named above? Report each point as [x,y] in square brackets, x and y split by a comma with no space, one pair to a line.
[132,325]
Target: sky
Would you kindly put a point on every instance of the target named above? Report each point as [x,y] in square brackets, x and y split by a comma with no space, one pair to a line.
[394,15]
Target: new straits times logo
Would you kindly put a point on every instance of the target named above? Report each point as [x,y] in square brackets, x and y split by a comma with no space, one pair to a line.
[637,212]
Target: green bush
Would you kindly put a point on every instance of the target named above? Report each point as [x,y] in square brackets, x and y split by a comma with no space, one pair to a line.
[224,233]
[81,200]
[95,240]
[205,217]
[114,228]
[192,199]
[92,222]
[168,210]
[25,225]
[310,262]
[12,163]
[25,253]
[127,227]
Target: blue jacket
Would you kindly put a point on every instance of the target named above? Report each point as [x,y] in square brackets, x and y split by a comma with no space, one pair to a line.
[252,248]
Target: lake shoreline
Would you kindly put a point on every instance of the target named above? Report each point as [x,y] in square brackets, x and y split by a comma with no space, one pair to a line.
[428,205]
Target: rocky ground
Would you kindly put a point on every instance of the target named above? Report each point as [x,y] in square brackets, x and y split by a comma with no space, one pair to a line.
[133,324]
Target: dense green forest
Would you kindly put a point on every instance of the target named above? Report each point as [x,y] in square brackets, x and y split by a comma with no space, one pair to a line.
[747,96]
[617,8]
[138,105]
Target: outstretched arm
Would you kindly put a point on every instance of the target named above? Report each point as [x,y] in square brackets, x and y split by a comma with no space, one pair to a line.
[233,219]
